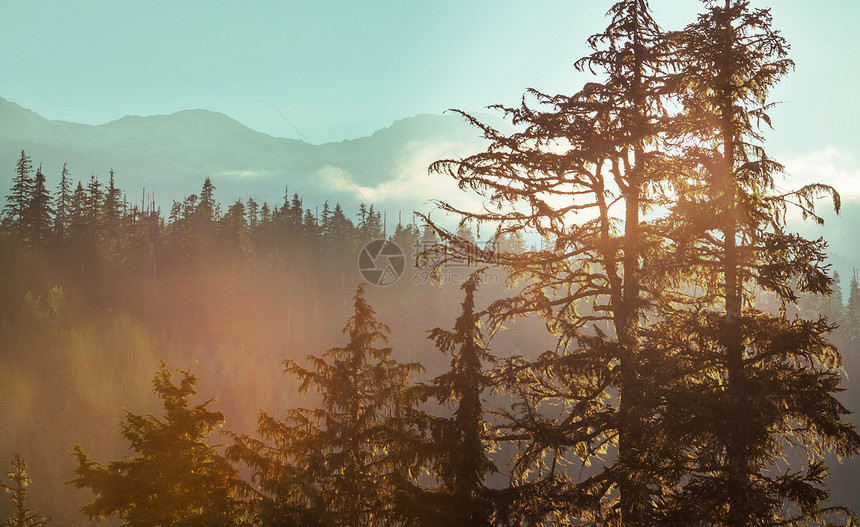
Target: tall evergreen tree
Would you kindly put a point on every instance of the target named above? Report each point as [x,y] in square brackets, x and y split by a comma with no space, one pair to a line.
[457,451]
[80,242]
[582,174]
[112,215]
[22,515]
[207,208]
[174,477]
[18,200]
[253,209]
[334,465]
[235,232]
[39,212]
[760,375]
[852,314]
[63,205]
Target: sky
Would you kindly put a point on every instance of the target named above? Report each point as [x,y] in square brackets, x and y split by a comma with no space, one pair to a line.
[331,70]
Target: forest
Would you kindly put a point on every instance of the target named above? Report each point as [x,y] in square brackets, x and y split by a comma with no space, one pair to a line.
[627,333]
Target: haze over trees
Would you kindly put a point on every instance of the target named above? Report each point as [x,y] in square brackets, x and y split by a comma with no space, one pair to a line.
[686,367]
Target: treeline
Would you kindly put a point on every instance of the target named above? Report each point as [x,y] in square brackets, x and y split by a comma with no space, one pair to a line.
[94,288]
[92,232]
[93,237]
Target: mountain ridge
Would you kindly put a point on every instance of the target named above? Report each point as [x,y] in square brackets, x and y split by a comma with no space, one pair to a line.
[171,155]
[176,151]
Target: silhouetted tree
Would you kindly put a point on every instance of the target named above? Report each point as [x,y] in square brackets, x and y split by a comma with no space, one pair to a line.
[22,515]
[18,200]
[174,476]
[334,465]
[767,382]
[63,206]
[38,216]
[582,173]
[852,314]
[112,216]
[235,233]
[456,449]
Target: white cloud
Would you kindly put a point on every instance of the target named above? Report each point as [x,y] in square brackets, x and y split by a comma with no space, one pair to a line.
[410,185]
[244,174]
[830,166]
[340,180]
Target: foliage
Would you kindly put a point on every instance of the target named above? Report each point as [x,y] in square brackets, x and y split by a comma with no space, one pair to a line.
[673,396]
[454,450]
[695,210]
[174,477]
[335,465]
[22,516]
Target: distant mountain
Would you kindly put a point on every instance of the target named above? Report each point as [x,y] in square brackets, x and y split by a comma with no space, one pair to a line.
[172,154]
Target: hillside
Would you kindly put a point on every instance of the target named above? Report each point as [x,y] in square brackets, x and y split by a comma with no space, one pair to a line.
[172,154]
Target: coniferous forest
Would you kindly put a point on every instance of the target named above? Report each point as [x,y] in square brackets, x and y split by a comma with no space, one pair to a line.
[628,332]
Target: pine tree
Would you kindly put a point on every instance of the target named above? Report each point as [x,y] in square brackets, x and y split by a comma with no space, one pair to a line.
[834,307]
[768,381]
[294,218]
[312,232]
[22,516]
[38,214]
[63,206]
[406,237]
[174,477]
[334,465]
[112,215]
[94,216]
[80,242]
[207,208]
[325,223]
[363,227]
[18,201]
[253,209]
[595,154]
[193,227]
[456,448]
[235,233]
[852,314]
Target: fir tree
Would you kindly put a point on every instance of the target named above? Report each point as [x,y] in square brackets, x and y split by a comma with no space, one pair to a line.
[94,209]
[852,314]
[79,240]
[235,233]
[174,477]
[456,448]
[334,465]
[594,153]
[207,208]
[18,201]
[312,232]
[759,374]
[112,215]
[293,214]
[253,209]
[38,214]
[63,206]
[325,222]
[22,515]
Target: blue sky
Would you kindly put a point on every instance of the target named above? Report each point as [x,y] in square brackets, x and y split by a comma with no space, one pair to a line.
[339,70]
[344,69]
